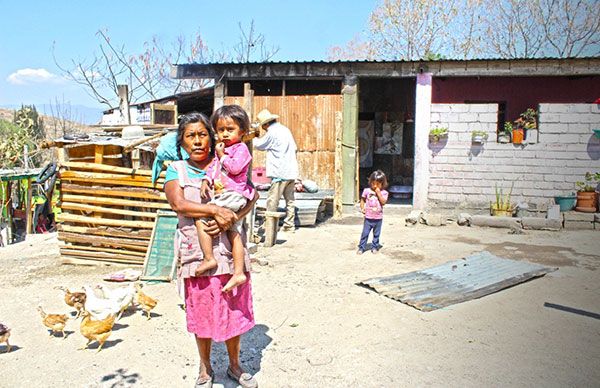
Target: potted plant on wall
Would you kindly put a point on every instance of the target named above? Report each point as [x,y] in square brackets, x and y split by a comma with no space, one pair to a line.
[504,136]
[502,207]
[478,136]
[437,133]
[527,121]
[587,195]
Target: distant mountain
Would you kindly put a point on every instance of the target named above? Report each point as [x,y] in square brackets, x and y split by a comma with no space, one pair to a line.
[78,113]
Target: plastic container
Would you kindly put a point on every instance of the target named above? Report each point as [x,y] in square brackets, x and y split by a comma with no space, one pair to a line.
[566,202]
[259,176]
[400,191]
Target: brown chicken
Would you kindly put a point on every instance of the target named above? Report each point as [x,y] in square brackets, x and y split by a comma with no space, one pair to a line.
[96,330]
[144,301]
[4,334]
[74,299]
[54,322]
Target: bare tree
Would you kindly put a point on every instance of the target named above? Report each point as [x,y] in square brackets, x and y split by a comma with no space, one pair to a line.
[355,49]
[409,30]
[63,120]
[571,28]
[146,74]
[251,46]
[433,29]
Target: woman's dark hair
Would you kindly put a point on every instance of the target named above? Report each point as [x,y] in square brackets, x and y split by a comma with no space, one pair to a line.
[378,176]
[191,118]
[234,112]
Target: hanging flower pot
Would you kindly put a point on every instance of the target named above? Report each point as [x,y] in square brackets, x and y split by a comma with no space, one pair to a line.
[478,137]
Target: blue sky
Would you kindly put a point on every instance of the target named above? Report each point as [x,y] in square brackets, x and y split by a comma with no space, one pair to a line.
[303,31]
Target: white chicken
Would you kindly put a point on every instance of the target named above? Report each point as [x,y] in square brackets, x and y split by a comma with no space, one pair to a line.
[122,295]
[100,308]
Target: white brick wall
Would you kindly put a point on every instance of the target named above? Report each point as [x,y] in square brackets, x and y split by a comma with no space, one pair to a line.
[465,174]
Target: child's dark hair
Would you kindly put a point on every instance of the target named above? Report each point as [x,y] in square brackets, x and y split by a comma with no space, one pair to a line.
[378,176]
[191,118]
[234,112]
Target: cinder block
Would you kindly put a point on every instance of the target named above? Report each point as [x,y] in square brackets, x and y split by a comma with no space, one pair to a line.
[549,118]
[589,118]
[596,217]
[539,223]
[557,108]
[566,118]
[483,108]
[434,118]
[580,108]
[488,117]
[467,117]
[496,222]
[578,225]
[440,108]
[554,213]
[459,108]
[579,216]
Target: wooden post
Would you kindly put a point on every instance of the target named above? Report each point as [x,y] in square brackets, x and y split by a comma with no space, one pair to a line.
[249,108]
[337,193]
[28,215]
[422,125]
[219,95]
[123,91]
[98,153]
[26,157]
[349,142]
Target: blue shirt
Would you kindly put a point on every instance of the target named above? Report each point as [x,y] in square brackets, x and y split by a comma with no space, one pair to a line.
[192,171]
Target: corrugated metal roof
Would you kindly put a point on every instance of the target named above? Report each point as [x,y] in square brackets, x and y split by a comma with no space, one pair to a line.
[387,61]
[456,281]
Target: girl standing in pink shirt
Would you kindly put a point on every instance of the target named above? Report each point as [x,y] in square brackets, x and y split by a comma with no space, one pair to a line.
[371,204]
[230,186]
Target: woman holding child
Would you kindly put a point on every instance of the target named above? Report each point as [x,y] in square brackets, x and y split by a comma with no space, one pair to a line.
[212,313]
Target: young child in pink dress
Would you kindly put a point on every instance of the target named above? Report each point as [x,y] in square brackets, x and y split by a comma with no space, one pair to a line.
[230,186]
[372,201]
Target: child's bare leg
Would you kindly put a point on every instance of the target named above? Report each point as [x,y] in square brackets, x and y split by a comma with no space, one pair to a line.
[205,239]
[237,251]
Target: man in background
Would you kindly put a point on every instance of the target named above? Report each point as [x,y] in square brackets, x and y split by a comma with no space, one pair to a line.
[282,167]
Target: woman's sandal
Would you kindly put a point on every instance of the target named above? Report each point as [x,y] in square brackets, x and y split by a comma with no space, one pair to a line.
[205,382]
[246,380]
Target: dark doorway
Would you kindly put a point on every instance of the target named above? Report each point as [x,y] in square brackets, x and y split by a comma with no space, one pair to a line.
[386,134]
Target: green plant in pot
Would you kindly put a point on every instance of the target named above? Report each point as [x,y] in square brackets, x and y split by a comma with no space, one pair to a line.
[478,136]
[437,133]
[502,207]
[504,135]
[587,193]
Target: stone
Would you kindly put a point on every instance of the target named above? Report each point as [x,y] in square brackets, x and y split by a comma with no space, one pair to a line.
[579,216]
[578,225]
[413,218]
[434,219]
[597,217]
[553,212]
[464,219]
[539,223]
[496,222]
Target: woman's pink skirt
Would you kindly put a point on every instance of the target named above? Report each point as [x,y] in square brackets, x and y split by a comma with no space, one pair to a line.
[212,313]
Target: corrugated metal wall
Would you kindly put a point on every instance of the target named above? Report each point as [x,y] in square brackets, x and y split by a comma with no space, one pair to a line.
[312,120]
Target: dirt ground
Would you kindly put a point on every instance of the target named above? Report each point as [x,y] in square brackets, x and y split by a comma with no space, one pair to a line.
[317,328]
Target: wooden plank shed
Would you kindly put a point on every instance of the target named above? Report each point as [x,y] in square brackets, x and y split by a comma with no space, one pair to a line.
[107,200]
[326,105]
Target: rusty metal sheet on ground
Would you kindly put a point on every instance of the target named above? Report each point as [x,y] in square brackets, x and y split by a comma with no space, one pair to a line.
[456,281]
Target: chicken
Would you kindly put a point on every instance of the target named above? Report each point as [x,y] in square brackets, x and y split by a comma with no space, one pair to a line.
[74,299]
[4,334]
[54,322]
[146,303]
[96,330]
[100,308]
[123,295]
